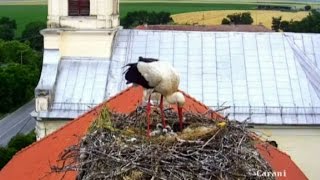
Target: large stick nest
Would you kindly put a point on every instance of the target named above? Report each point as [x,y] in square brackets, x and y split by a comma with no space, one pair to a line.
[116,147]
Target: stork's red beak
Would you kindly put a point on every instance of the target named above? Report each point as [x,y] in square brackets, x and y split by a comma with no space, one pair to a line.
[180,117]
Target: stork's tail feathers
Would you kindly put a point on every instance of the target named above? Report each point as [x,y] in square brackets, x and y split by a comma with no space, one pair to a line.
[132,75]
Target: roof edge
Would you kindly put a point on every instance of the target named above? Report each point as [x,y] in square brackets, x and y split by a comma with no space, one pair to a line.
[71,122]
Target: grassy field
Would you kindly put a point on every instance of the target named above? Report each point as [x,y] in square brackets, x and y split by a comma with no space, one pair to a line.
[215,17]
[24,14]
[175,8]
[23,2]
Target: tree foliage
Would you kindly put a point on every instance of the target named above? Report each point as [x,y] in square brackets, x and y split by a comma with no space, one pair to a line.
[20,65]
[276,21]
[307,7]
[10,22]
[133,19]
[16,86]
[7,28]
[309,24]
[16,144]
[284,26]
[21,141]
[5,156]
[225,21]
[17,52]
[32,36]
[19,74]
[238,18]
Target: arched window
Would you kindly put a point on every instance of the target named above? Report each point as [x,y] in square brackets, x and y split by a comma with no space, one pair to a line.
[79,7]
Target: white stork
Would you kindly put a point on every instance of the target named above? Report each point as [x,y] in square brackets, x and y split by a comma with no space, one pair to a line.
[161,77]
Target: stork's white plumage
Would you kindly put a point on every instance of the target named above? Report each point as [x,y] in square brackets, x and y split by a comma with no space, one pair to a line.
[159,76]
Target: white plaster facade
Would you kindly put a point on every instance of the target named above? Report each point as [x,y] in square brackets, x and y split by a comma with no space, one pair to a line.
[104,14]
[81,37]
[80,43]
[45,127]
[301,143]
[84,36]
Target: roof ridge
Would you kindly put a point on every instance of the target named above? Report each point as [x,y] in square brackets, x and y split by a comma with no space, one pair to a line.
[195,100]
[200,103]
[97,106]
[262,143]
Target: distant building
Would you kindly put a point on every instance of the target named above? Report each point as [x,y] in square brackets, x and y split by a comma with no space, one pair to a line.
[271,78]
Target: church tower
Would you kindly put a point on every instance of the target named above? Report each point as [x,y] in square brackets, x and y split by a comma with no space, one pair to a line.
[74,26]
[77,56]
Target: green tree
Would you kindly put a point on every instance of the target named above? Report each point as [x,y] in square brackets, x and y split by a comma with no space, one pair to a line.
[6,33]
[284,26]
[276,21]
[234,18]
[21,141]
[7,28]
[5,155]
[309,24]
[17,83]
[246,18]
[163,18]
[225,21]
[16,144]
[21,53]
[32,36]
[19,73]
[135,18]
[239,18]
[307,7]
[10,22]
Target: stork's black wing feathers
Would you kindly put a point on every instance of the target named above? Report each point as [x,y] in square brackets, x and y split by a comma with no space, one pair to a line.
[147,60]
[132,75]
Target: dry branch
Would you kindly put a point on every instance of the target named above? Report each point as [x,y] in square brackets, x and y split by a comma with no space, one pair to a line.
[201,151]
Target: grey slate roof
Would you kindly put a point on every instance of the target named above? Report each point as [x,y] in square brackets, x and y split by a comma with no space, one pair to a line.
[79,86]
[270,77]
[261,75]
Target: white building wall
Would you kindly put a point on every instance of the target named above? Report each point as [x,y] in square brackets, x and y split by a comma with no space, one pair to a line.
[80,43]
[300,143]
[102,15]
[52,39]
[87,44]
[46,127]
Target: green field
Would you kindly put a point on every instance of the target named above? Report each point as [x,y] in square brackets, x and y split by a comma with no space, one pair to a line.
[175,8]
[24,14]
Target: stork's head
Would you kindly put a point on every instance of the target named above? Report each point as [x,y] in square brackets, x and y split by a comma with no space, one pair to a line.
[176,98]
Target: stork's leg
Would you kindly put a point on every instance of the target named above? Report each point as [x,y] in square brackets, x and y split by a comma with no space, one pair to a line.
[180,118]
[148,116]
[162,113]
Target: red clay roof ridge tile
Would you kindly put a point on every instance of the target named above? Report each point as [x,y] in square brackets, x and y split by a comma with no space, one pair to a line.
[71,122]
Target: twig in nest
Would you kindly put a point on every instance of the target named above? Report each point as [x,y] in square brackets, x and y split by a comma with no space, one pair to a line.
[110,153]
